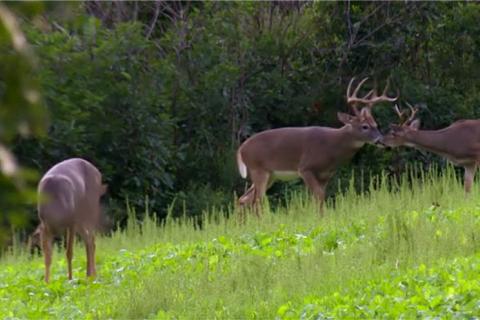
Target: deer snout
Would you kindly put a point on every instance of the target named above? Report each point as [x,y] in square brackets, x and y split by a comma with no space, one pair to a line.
[380,143]
[388,141]
[377,137]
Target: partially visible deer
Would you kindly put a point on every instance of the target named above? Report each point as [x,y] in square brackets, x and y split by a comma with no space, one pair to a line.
[311,153]
[33,242]
[69,201]
[459,142]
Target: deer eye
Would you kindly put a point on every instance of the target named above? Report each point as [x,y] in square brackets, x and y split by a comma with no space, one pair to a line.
[365,127]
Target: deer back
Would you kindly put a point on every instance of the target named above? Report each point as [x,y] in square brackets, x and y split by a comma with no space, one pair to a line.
[288,149]
[70,194]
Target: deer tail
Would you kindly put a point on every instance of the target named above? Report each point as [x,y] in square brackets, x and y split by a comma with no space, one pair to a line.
[242,168]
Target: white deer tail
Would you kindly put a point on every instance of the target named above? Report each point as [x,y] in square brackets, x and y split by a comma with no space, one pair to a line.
[242,168]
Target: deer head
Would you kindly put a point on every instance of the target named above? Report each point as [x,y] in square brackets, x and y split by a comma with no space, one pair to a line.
[398,132]
[34,241]
[362,123]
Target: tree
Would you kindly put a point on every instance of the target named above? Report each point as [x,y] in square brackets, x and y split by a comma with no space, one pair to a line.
[21,114]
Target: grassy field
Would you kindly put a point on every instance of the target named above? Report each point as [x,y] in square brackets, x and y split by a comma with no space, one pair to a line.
[398,249]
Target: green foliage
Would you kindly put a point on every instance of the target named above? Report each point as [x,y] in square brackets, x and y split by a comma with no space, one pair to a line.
[449,289]
[20,99]
[161,105]
[21,114]
[101,87]
[386,254]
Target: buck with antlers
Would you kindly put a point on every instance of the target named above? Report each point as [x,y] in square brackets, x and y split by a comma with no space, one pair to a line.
[459,143]
[70,201]
[311,153]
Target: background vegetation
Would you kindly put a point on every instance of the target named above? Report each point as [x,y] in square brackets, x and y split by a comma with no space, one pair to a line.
[159,94]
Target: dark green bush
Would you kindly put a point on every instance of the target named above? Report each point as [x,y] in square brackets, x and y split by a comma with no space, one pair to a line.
[160,106]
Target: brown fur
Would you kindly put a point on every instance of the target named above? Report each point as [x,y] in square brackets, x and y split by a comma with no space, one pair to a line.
[313,153]
[459,143]
[69,201]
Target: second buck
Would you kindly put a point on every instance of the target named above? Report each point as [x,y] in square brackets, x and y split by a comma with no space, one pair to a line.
[71,192]
[311,153]
[459,143]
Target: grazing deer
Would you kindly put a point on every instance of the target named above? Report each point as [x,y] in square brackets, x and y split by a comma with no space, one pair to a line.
[311,153]
[70,201]
[459,143]
[33,242]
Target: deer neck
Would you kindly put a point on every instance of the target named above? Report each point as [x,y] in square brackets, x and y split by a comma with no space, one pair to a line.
[351,143]
[430,140]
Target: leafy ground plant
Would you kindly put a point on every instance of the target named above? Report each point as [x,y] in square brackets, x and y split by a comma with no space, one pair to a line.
[400,249]
[448,289]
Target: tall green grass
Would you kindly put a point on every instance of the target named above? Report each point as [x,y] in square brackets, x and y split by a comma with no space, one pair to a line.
[228,269]
[384,199]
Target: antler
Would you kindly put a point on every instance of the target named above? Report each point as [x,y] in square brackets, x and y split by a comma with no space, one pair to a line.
[399,113]
[352,98]
[413,111]
[384,97]
[370,98]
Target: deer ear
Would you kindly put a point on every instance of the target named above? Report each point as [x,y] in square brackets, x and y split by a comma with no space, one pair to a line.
[415,125]
[345,118]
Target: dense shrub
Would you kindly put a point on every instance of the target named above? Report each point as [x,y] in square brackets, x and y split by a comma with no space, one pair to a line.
[159,99]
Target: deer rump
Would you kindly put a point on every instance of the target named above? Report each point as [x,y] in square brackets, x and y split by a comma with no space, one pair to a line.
[72,190]
[70,196]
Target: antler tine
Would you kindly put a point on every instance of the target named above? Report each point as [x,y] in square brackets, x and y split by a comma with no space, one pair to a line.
[349,87]
[384,97]
[410,106]
[387,86]
[413,111]
[370,93]
[359,86]
[349,97]
[399,113]
[352,98]
[385,90]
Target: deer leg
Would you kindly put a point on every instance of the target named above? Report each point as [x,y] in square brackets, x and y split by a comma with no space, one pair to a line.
[468,178]
[89,239]
[47,238]
[261,180]
[70,242]
[315,186]
[245,199]
[91,272]
[248,196]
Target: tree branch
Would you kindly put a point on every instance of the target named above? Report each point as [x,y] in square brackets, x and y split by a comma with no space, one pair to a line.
[155,18]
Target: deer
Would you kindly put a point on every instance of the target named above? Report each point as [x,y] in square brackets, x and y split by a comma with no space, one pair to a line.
[459,143]
[310,153]
[69,202]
